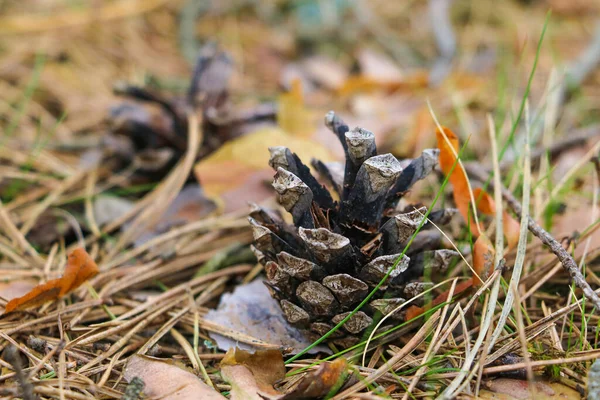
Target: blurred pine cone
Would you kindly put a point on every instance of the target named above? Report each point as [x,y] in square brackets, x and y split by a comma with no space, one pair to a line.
[336,252]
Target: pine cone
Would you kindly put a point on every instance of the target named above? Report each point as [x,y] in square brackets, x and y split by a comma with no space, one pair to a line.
[336,252]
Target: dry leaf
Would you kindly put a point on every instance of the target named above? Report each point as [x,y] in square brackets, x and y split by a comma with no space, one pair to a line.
[379,72]
[252,375]
[329,377]
[461,193]
[515,389]
[360,83]
[236,173]
[251,310]
[80,267]
[483,249]
[240,165]
[325,71]
[292,115]
[378,67]
[483,259]
[164,380]
[458,179]
[487,206]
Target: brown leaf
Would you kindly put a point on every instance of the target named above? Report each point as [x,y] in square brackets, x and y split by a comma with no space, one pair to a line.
[164,380]
[515,389]
[329,377]
[252,375]
[80,267]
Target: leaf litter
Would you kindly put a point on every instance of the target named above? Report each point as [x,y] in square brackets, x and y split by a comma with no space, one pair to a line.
[152,297]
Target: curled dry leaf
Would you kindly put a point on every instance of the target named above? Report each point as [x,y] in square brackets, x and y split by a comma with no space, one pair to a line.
[324,381]
[80,267]
[165,380]
[483,249]
[252,375]
[461,193]
[447,142]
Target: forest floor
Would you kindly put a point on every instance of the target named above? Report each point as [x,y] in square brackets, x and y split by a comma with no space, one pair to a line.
[110,144]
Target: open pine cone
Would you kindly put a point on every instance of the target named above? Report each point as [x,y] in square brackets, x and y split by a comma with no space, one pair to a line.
[336,252]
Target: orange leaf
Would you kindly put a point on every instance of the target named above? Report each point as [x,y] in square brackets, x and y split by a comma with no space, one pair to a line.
[510,226]
[362,83]
[80,267]
[483,259]
[414,311]
[458,178]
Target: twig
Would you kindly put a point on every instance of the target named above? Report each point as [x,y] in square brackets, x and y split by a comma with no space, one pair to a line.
[577,138]
[563,256]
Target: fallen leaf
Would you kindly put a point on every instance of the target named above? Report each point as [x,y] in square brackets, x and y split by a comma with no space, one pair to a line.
[239,165]
[447,142]
[461,192]
[243,384]
[483,259]
[190,204]
[378,66]
[16,288]
[483,249]
[487,206]
[80,267]
[109,208]
[324,381]
[325,71]
[165,380]
[251,310]
[252,375]
[292,115]
[515,389]
[360,83]
[379,72]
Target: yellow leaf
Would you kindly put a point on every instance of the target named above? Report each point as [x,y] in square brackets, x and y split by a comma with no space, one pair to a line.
[244,163]
[292,115]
